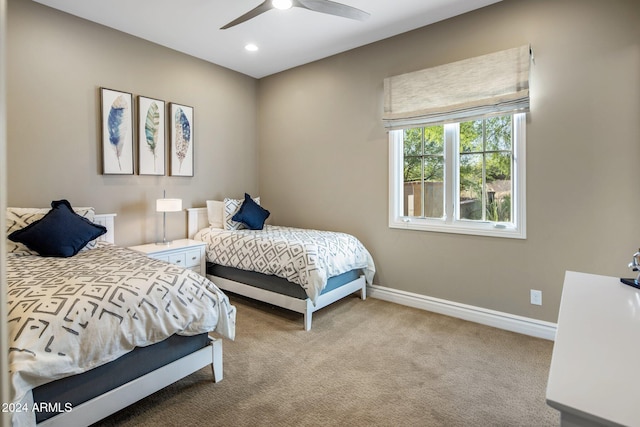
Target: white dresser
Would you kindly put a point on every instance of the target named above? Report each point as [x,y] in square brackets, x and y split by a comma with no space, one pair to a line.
[186,253]
[594,379]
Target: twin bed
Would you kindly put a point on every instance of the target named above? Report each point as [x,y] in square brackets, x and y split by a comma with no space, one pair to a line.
[92,333]
[298,269]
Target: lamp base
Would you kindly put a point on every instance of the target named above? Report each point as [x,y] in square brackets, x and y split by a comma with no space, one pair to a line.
[164,242]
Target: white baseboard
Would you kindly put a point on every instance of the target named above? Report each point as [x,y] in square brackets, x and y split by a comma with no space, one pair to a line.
[497,319]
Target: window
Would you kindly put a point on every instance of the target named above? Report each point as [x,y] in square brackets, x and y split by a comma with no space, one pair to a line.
[457,145]
[466,177]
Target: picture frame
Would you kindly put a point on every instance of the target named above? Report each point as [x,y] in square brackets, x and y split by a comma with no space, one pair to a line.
[152,141]
[181,121]
[116,112]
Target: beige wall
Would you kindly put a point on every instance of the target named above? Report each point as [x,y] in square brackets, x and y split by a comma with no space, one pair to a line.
[310,141]
[323,152]
[56,65]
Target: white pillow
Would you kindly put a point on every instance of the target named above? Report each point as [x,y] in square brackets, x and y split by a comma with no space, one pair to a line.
[18,218]
[215,213]
[231,206]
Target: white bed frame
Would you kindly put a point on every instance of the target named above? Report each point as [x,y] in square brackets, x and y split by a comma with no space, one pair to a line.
[197,219]
[111,402]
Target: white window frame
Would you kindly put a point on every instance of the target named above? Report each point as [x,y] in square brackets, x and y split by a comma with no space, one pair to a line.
[450,223]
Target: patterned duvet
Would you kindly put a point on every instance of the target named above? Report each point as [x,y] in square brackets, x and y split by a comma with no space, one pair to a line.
[68,315]
[302,256]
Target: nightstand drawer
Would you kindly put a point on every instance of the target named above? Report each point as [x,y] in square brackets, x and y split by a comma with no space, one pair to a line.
[178,259]
[193,258]
[160,257]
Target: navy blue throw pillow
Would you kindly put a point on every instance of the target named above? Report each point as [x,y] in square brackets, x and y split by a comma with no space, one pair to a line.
[251,214]
[60,233]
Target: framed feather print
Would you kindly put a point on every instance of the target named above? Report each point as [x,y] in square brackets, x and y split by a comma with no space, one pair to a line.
[117,132]
[151,136]
[181,134]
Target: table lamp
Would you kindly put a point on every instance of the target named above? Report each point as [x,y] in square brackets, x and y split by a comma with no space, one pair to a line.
[165,205]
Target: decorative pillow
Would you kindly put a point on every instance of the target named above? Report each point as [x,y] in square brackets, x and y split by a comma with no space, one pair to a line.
[60,233]
[251,214]
[231,206]
[215,213]
[17,218]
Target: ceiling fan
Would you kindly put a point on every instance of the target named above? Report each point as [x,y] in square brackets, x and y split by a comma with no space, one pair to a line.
[322,6]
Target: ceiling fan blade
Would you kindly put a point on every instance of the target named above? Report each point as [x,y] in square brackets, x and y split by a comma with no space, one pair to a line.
[333,8]
[262,8]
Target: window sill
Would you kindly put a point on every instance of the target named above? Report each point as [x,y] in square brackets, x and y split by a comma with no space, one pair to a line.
[488,229]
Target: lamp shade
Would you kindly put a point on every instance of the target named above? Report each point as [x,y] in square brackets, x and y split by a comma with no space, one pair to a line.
[168,205]
[282,4]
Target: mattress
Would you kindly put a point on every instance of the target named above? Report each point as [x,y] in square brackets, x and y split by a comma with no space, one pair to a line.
[277,284]
[77,389]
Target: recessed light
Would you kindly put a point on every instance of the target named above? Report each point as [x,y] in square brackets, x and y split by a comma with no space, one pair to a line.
[251,47]
[282,4]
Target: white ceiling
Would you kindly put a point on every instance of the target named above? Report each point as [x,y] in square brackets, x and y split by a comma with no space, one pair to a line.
[285,39]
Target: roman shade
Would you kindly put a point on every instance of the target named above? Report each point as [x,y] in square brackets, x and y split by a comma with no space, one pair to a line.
[496,83]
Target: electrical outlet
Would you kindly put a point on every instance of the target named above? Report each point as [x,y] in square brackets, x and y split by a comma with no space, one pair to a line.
[536,297]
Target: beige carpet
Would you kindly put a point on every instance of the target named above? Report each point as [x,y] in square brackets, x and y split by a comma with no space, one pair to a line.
[364,363]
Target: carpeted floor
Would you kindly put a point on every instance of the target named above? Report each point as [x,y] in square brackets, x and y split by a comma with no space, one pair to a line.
[364,363]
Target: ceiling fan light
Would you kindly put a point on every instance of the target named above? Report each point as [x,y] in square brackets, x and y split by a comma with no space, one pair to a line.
[282,4]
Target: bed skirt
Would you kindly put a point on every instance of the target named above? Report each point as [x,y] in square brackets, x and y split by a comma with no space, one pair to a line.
[277,284]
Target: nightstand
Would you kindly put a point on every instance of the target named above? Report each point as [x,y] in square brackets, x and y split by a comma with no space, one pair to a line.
[186,253]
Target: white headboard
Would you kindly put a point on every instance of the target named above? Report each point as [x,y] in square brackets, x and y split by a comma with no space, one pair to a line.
[197,219]
[107,220]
